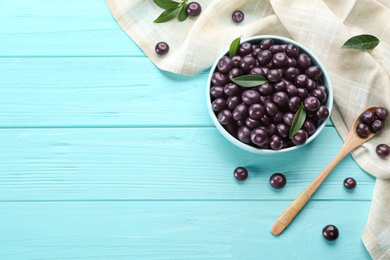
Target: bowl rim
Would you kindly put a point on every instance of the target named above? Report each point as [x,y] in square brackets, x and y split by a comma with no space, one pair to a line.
[326,82]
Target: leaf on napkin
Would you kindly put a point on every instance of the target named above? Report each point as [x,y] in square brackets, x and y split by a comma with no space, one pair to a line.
[249,81]
[234,46]
[298,121]
[183,12]
[166,4]
[361,42]
[167,15]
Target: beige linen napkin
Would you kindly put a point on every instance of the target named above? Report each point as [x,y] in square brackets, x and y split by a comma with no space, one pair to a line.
[359,78]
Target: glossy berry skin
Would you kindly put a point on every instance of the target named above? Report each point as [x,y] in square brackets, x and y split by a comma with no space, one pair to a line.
[280,99]
[162,48]
[367,117]
[281,86]
[302,93]
[264,57]
[301,81]
[231,89]
[250,97]
[311,104]
[217,91]
[330,232]
[240,112]
[274,75]
[234,73]
[266,44]
[314,72]
[240,173]
[236,61]
[270,108]
[291,90]
[363,130]
[232,102]
[219,79]
[224,64]
[279,60]
[292,51]
[244,134]
[319,94]
[350,183]
[257,71]
[225,117]
[282,130]
[218,104]
[266,89]
[247,63]
[294,104]
[300,137]
[383,150]
[238,16]
[303,61]
[277,180]
[276,142]
[244,49]
[251,123]
[322,113]
[288,118]
[377,125]
[310,127]
[381,113]
[256,111]
[291,72]
[193,9]
[259,136]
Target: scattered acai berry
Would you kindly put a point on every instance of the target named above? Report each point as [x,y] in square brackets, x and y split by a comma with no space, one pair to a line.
[277,180]
[162,48]
[240,173]
[193,9]
[383,150]
[238,16]
[261,116]
[330,232]
[350,183]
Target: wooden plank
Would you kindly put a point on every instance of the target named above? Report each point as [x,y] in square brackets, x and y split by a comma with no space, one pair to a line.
[31,28]
[162,164]
[178,230]
[102,92]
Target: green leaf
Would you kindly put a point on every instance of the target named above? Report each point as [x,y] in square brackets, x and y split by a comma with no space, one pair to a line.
[361,42]
[183,12]
[166,4]
[298,121]
[167,15]
[234,47]
[249,81]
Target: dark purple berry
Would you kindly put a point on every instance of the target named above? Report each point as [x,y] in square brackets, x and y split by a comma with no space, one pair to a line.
[278,117]
[381,113]
[266,43]
[300,137]
[310,127]
[301,81]
[234,73]
[219,79]
[314,72]
[322,113]
[275,142]
[274,75]
[256,51]
[250,97]
[377,125]
[292,51]
[277,180]
[231,89]
[288,118]
[350,183]
[224,64]
[232,102]
[266,89]
[264,57]
[311,85]
[219,104]
[193,9]
[238,16]
[383,150]
[319,94]
[252,123]
[280,86]
[280,99]
[291,90]
[162,48]
[259,136]
[291,62]
[265,120]
[270,108]
[330,232]
[291,72]
[279,60]
[271,130]
[225,117]
[282,130]
[323,88]
[244,134]
[217,91]
[244,49]
[257,71]
[240,112]
[256,111]
[276,48]
[363,130]
[240,173]
[294,104]
[236,60]
[302,93]
[311,103]
[303,61]
[367,117]
[247,63]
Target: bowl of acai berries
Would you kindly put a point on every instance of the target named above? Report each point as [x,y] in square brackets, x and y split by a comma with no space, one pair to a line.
[269,94]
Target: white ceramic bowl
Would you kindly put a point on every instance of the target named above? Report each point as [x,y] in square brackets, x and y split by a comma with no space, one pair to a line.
[325,82]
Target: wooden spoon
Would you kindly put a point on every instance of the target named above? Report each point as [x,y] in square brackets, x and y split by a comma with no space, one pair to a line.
[352,141]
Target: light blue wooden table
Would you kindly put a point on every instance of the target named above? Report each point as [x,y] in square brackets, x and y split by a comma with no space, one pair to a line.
[104,156]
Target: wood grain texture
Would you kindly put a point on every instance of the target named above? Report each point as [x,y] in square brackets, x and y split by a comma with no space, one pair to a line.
[162,164]
[177,230]
[63,28]
[98,92]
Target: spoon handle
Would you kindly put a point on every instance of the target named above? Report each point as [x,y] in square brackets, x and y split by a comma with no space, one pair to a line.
[289,214]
